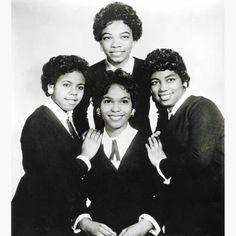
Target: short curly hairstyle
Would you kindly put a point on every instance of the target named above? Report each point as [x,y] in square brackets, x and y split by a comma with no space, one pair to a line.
[115,77]
[166,59]
[113,12]
[61,65]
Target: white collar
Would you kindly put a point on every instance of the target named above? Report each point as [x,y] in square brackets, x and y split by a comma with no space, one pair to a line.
[128,67]
[177,105]
[60,114]
[123,141]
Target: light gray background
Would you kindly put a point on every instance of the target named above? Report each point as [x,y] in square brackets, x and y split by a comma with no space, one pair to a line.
[43,28]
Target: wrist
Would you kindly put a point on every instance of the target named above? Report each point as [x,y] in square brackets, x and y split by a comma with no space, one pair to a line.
[83,223]
[146,225]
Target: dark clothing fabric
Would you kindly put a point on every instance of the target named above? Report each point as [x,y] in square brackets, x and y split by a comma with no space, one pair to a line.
[47,197]
[119,196]
[96,75]
[194,145]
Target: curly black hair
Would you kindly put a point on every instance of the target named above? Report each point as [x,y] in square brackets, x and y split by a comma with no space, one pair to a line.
[113,12]
[60,65]
[166,59]
[115,77]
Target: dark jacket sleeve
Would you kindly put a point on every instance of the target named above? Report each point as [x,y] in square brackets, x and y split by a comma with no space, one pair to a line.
[204,132]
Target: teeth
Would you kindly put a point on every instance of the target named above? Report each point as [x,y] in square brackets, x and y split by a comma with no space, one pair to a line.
[116,53]
[115,117]
[164,97]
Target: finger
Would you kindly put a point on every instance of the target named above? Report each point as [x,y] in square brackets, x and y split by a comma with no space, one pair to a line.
[123,232]
[107,230]
[150,142]
[97,136]
[89,133]
[147,147]
[155,142]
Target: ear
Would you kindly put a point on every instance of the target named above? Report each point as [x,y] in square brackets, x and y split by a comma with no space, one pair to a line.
[98,111]
[50,89]
[134,44]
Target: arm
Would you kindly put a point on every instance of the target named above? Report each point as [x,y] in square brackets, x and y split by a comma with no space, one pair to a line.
[203,132]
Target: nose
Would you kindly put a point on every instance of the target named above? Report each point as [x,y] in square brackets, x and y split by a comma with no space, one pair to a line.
[74,90]
[116,43]
[163,86]
[115,107]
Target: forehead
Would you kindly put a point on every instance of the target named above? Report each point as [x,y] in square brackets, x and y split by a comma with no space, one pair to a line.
[163,74]
[73,77]
[117,91]
[115,27]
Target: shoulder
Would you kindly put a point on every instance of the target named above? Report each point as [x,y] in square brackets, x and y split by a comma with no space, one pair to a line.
[97,66]
[39,119]
[202,106]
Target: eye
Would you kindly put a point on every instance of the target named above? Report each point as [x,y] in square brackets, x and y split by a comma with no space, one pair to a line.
[107,101]
[170,80]
[81,87]
[125,101]
[125,37]
[155,82]
[106,38]
[66,85]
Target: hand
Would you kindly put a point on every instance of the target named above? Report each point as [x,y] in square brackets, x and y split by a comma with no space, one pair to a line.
[91,143]
[139,229]
[155,151]
[95,228]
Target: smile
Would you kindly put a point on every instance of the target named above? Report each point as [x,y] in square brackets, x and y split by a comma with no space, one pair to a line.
[115,118]
[164,97]
[117,53]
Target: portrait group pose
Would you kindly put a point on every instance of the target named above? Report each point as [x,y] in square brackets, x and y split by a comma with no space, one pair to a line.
[120,178]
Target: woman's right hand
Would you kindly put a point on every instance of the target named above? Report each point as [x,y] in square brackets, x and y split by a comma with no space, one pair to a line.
[155,151]
[91,143]
[95,228]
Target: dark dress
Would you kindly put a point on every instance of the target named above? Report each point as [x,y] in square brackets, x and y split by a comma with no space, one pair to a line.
[194,145]
[119,196]
[96,75]
[47,198]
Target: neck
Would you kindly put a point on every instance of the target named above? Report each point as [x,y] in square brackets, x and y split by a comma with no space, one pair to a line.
[119,64]
[113,133]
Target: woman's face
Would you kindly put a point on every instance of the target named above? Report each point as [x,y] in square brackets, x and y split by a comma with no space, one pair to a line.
[116,108]
[117,42]
[68,90]
[166,87]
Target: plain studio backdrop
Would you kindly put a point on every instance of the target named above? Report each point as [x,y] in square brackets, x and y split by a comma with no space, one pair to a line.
[42,29]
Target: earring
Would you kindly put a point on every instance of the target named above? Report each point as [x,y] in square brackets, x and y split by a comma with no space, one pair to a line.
[98,111]
[133,112]
[184,85]
[50,90]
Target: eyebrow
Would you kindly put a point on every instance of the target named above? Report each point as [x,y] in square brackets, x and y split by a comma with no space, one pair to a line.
[125,32]
[125,97]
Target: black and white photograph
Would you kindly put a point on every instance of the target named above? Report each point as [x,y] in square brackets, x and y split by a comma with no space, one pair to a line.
[117,118]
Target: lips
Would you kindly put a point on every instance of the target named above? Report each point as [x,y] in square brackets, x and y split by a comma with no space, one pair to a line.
[164,97]
[72,101]
[116,53]
[116,117]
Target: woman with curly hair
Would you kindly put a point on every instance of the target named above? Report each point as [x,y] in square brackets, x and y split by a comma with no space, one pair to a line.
[117,27]
[121,182]
[54,156]
[190,152]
